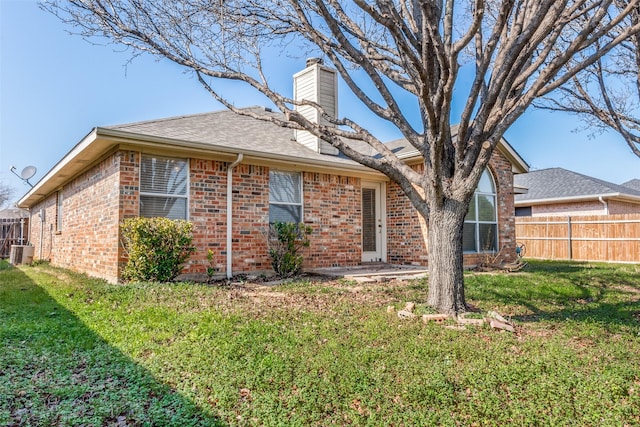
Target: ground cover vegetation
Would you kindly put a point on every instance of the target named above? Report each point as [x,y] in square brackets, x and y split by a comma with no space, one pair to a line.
[78,351]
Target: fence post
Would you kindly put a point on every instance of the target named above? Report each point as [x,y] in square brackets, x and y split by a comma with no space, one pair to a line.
[569,237]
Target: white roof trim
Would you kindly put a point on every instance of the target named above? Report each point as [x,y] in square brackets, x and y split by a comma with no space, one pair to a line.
[46,184]
[518,164]
[574,199]
[125,136]
[100,140]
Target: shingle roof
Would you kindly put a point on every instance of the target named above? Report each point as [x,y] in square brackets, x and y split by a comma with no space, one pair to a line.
[403,149]
[230,130]
[225,132]
[558,183]
[634,184]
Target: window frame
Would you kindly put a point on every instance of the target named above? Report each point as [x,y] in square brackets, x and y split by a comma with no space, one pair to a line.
[300,192]
[59,210]
[477,222]
[142,193]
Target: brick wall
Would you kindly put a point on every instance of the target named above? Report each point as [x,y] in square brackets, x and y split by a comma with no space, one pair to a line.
[129,201]
[250,218]
[95,202]
[88,238]
[593,207]
[332,207]
[41,232]
[207,211]
[619,208]
[500,168]
[407,231]
[94,205]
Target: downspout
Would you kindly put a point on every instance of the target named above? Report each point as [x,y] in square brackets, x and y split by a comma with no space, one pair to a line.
[229,213]
[29,227]
[22,231]
[606,205]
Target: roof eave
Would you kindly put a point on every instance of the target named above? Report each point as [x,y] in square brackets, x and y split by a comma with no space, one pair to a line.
[518,165]
[100,140]
[519,189]
[575,199]
[62,170]
[159,142]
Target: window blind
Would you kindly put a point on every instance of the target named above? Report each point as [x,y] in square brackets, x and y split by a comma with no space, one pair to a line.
[163,187]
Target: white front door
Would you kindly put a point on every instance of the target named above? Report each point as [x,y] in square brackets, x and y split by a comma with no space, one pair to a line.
[373,226]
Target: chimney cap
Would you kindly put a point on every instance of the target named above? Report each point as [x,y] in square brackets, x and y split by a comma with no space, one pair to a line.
[311,61]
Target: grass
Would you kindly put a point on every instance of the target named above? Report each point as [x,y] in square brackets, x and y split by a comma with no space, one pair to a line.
[78,351]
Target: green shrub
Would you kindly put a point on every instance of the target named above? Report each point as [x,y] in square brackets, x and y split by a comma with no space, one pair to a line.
[211,269]
[157,248]
[286,239]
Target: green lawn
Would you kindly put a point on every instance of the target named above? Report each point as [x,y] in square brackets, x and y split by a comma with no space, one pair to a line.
[78,351]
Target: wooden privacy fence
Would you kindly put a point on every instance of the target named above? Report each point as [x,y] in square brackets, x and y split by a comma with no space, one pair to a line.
[13,231]
[610,238]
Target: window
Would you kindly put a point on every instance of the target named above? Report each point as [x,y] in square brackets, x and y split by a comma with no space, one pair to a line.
[285,197]
[480,232]
[523,211]
[163,187]
[59,211]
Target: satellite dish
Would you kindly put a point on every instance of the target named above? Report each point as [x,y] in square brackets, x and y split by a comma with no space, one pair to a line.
[28,172]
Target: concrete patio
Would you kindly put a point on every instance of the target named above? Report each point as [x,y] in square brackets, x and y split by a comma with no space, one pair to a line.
[374,272]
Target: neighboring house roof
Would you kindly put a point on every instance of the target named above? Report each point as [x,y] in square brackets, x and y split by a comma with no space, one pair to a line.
[221,133]
[634,184]
[557,185]
[13,213]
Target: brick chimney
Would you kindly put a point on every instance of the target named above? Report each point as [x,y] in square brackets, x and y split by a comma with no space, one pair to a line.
[319,84]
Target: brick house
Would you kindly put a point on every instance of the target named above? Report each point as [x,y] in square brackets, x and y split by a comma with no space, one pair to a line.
[231,175]
[561,192]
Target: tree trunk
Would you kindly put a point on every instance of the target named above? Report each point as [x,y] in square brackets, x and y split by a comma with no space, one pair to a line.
[446,279]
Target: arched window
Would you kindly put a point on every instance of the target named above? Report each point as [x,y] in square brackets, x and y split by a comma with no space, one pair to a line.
[480,233]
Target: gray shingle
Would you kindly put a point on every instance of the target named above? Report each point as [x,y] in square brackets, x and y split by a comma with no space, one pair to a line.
[226,129]
[230,130]
[634,184]
[558,183]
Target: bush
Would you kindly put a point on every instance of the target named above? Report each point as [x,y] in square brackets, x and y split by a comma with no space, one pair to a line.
[286,239]
[157,248]
[211,269]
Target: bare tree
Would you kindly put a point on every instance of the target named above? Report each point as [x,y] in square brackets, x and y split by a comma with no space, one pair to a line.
[385,51]
[607,93]
[5,194]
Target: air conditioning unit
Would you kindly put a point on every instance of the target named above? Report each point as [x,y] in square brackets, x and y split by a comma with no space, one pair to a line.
[21,254]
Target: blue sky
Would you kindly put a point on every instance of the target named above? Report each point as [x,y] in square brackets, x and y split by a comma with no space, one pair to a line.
[54,88]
